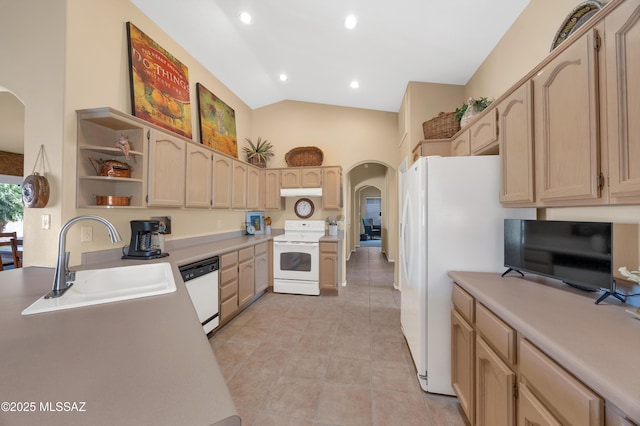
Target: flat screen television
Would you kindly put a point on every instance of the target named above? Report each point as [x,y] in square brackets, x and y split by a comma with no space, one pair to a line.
[578,253]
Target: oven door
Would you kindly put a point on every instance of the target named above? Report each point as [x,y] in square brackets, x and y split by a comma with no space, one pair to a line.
[296,261]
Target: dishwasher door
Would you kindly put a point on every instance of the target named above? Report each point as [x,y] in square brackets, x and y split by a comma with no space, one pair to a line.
[201,280]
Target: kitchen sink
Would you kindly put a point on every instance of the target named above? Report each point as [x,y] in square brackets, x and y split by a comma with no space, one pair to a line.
[97,286]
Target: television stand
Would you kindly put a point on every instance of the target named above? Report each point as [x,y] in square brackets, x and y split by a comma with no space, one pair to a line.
[509,270]
[610,293]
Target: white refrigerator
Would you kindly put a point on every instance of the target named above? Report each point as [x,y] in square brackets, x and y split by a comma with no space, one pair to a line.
[451,220]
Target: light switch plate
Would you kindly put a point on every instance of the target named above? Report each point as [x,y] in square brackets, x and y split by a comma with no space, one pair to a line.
[46,221]
[86,234]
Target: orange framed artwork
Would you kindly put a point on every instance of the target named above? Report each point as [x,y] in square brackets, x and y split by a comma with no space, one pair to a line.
[159,84]
[217,122]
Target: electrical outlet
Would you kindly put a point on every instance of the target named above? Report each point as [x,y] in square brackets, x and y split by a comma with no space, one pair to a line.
[86,234]
[46,221]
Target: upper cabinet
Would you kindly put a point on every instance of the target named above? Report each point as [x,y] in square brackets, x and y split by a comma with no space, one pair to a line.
[98,131]
[516,147]
[566,125]
[301,177]
[239,185]
[332,188]
[253,188]
[270,190]
[622,45]
[198,178]
[311,178]
[166,183]
[461,143]
[483,134]
[222,172]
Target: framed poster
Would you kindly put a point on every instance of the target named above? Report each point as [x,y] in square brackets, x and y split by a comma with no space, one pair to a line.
[159,84]
[217,122]
[257,220]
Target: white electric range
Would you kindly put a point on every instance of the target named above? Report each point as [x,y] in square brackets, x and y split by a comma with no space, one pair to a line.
[296,254]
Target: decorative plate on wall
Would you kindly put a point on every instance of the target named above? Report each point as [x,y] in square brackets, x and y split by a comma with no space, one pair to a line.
[575,19]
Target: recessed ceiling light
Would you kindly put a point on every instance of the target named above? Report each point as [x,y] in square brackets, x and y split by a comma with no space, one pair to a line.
[284,77]
[245,18]
[354,84]
[350,22]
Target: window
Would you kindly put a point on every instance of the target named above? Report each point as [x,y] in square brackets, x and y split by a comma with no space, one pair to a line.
[373,209]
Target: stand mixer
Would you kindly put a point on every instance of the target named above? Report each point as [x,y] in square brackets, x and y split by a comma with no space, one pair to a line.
[143,235]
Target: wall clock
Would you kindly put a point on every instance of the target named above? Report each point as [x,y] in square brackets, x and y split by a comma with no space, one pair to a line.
[304,208]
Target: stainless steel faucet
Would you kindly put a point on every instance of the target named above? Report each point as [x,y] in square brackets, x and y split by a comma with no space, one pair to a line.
[64,278]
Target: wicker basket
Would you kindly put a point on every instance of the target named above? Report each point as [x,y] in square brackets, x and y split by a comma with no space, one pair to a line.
[441,127]
[304,156]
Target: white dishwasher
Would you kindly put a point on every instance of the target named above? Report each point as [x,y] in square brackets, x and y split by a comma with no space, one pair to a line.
[201,280]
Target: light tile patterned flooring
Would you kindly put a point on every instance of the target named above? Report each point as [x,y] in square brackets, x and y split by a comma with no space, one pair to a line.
[329,360]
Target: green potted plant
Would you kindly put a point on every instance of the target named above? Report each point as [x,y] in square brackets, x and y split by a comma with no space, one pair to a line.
[258,153]
[477,106]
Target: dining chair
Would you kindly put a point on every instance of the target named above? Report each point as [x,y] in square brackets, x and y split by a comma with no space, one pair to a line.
[5,249]
[16,250]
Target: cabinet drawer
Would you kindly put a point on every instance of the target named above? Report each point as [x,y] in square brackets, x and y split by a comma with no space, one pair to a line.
[497,333]
[464,303]
[228,307]
[245,254]
[569,400]
[227,291]
[261,248]
[228,275]
[228,259]
[329,248]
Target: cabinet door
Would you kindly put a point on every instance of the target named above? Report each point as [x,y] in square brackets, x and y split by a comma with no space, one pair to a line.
[461,144]
[222,167]
[262,273]
[516,148]
[272,199]
[495,388]
[291,178]
[239,186]
[228,286]
[246,275]
[566,126]
[166,170]
[198,184]
[623,108]
[462,362]
[531,411]
[483,134]
[332,188]
[253,188]
[311,178]
[329,266]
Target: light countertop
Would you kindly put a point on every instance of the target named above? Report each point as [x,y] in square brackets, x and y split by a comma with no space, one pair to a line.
[598,344]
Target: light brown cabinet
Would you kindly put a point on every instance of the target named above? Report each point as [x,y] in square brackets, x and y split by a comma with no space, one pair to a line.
[98,129]
[198,177]
[228,286]
[246,275]
[462,363]
[483,134]
[567,160]
[461,144]
[622,43]
[290,178]
[166,181]
[332,188]
[222,180]
[239,185]
[271,190]
[253,188]
[301,177]
[262,267]
[495,385]
[328,267]
[515,116]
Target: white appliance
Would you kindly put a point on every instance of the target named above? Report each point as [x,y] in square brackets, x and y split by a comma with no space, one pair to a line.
[296,257]
[451,220]
[202,282]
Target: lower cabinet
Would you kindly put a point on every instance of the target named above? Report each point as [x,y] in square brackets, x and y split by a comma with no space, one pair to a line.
[228,286]
[328,267]
[495,387]
[246,275]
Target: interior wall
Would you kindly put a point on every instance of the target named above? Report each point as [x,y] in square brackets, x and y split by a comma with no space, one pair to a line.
[99,77]
[33,47]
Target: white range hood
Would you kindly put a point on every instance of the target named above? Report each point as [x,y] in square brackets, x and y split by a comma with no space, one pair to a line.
[301,192]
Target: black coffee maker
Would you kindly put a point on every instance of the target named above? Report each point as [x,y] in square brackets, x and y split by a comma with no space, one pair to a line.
[144,239]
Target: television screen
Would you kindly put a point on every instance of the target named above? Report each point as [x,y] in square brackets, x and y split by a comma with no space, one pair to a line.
[578,253]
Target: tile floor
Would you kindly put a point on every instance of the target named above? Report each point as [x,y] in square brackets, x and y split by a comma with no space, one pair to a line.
[328,360]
